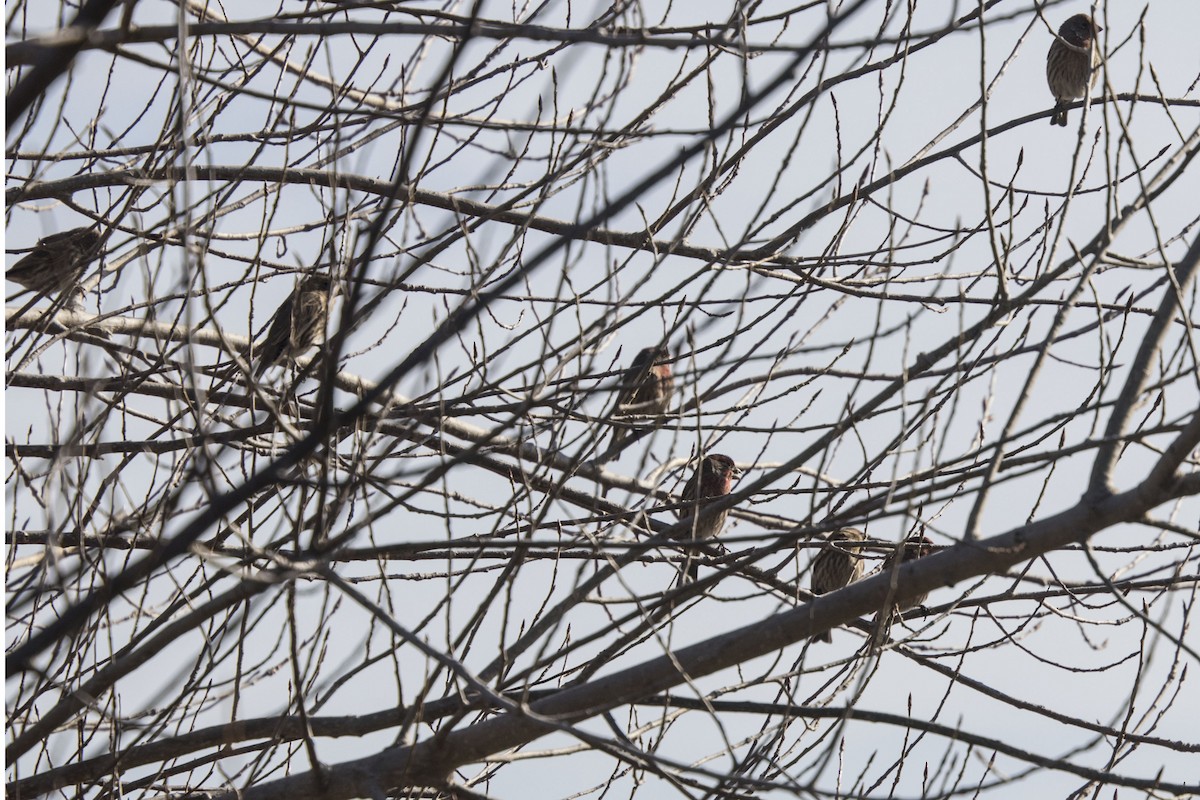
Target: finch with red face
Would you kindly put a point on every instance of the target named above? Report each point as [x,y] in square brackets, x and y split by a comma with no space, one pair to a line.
[838,564]
[57,262]
[646,388]
[298,323]
[915,546]
[1072,63]
[712,480]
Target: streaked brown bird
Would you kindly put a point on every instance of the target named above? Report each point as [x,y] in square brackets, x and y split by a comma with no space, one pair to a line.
[838,564]
[298,324]
[712,480]
[645,389]
[57,262]
[1072,63]
[915,546]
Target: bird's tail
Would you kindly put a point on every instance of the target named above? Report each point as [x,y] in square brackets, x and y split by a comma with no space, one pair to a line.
[614,443]
[689,571]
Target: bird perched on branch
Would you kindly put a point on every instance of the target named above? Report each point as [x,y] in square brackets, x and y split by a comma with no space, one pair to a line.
[712,480]
[57,262]
[1072,63]
[915,546]
[838,564]
[645,388]
[298,323]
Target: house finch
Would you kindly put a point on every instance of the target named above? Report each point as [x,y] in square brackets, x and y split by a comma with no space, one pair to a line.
[837,565]
[645,387]
[298,324]
[713,479]
[1071,64]
[57,262]
[915,546]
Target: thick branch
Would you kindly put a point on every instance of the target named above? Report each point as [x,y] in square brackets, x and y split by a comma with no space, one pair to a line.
[431,761]
[49,64]
[1139,369]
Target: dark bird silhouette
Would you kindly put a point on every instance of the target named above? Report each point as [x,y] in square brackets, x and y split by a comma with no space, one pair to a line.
[298,323]
[645,388]
[915,546]
[712,480]
[57,262]
[838,564]
[1072,63]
